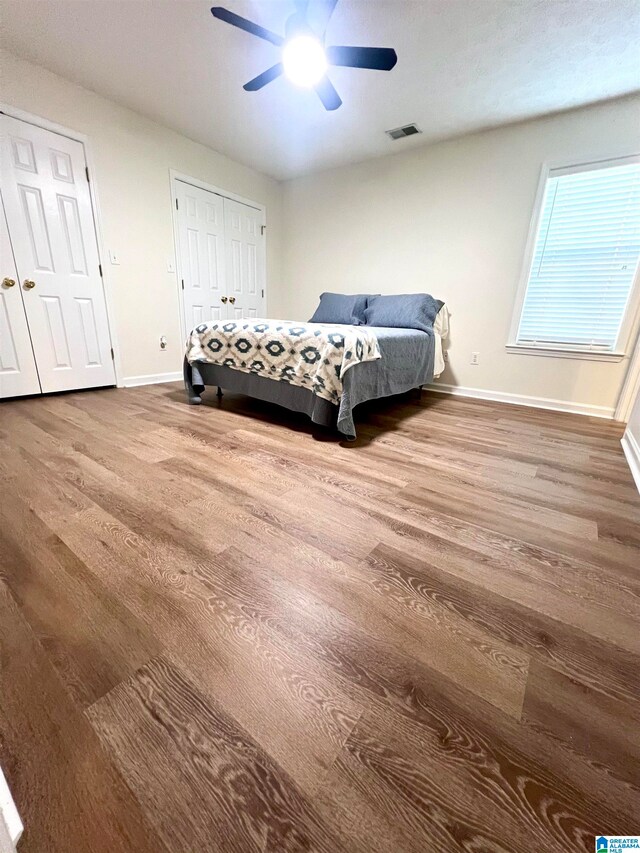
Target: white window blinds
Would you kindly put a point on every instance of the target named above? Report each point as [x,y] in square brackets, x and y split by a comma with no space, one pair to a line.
[585,257]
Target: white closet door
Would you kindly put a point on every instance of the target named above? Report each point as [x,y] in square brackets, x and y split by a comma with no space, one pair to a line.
[245,260]
[50,219]
[201,235]
[18,374]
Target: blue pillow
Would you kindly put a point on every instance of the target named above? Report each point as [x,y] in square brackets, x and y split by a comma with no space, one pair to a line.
[405,311]
[341,308]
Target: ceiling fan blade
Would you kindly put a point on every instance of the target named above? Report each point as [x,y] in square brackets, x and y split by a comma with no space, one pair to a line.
[248,26]
[264,78]
[377,58]
[318,14]
[328,95]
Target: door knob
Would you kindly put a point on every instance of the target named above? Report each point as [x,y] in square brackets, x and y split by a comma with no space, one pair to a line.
[223,299]
[28,284]
[8,282]
[232,300]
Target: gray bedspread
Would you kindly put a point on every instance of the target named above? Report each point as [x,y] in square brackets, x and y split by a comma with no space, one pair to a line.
[406,363]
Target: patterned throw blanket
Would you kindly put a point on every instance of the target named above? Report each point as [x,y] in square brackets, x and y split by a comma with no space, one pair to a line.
[313,355]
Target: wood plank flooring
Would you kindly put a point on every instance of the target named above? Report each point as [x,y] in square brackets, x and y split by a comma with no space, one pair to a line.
[224,630]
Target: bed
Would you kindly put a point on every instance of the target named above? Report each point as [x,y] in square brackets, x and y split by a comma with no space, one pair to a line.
[323,369]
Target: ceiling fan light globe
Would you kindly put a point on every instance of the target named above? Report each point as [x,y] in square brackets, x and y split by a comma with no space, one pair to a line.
[304,60]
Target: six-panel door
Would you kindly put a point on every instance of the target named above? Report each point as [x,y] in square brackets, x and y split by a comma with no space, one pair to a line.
[50,219]
[222,259]
[245,259]
[18,374]
[201,234]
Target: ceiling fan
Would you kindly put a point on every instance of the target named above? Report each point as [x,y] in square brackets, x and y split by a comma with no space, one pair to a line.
[305,58]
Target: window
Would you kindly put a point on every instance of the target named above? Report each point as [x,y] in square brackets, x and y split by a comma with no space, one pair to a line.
[581,274]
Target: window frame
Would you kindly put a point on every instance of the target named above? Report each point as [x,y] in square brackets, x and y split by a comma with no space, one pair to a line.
[632,310]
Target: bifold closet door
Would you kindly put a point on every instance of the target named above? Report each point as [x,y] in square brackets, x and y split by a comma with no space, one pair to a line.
[18,374]
[245,255]
[222,256]
[52,231]
[201,235]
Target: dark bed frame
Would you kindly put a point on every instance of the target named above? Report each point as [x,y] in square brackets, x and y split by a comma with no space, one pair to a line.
[321,412]
[292,397]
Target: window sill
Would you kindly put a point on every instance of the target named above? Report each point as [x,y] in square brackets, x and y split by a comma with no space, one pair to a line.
[551,352]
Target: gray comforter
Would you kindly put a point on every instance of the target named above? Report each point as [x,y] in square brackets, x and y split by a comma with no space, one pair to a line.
[407,362]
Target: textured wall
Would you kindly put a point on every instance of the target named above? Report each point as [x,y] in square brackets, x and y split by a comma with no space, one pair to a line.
[132,158]
[453,219]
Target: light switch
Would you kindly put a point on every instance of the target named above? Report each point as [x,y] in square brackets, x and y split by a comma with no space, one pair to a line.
[114,257]
[171,265]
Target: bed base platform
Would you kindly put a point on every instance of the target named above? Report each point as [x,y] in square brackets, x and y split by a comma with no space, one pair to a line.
[292,397]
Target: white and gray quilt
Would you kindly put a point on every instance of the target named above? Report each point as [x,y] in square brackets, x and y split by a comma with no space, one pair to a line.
[312,355]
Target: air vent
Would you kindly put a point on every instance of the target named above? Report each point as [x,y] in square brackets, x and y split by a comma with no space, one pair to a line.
[406,130]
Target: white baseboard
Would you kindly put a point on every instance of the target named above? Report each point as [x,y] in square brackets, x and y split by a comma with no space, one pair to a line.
[456,390]
[523,400]
[151,379]
[632,452]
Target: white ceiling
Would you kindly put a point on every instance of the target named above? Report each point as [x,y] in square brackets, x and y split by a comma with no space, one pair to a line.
[462,65]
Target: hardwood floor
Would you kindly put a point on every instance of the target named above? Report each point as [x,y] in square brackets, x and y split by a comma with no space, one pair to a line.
[224,631]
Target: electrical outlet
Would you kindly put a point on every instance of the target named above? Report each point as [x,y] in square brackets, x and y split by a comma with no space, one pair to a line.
[475,358]
[163,342]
